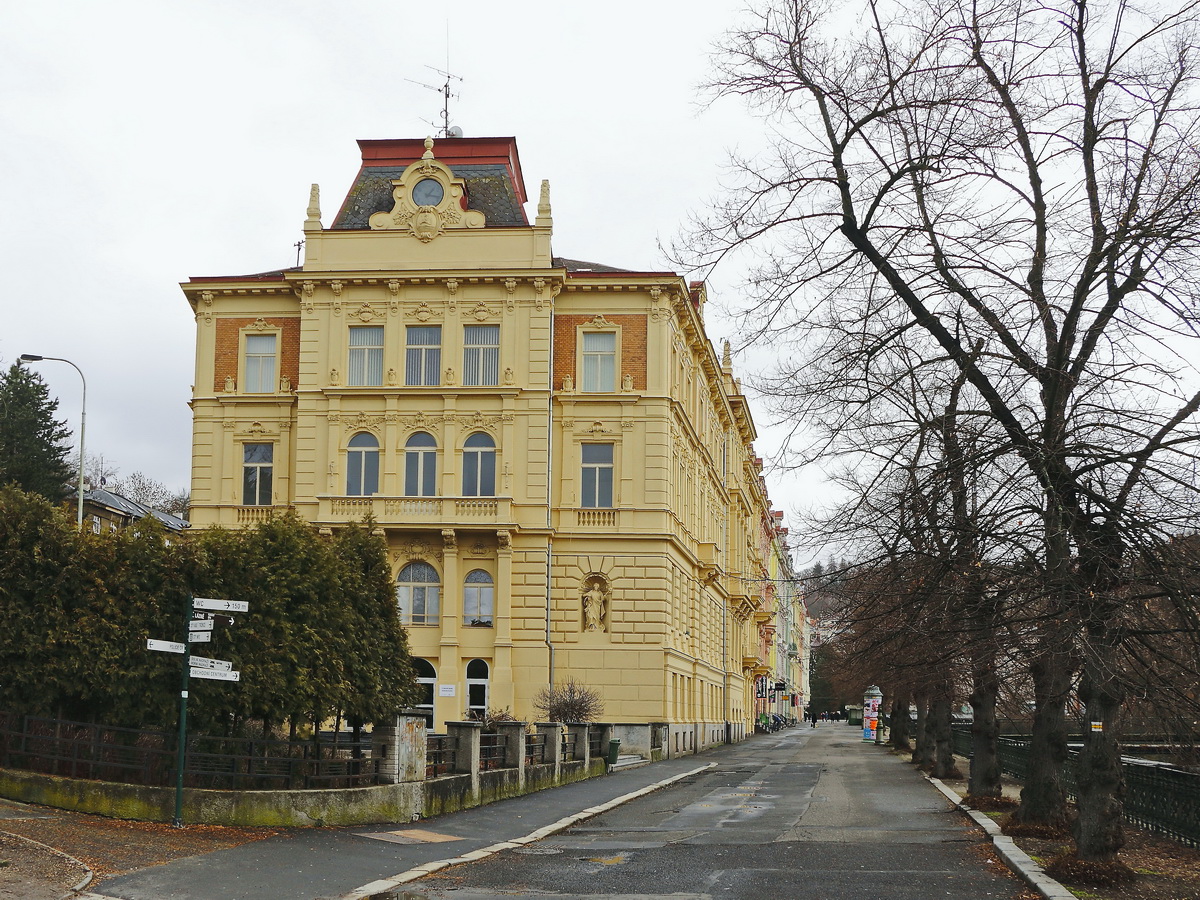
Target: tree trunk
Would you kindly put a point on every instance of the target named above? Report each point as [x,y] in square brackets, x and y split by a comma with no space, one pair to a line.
[900,724]
[1099,780]
[923,751]
[1043,800]
[943,740]
[984,779]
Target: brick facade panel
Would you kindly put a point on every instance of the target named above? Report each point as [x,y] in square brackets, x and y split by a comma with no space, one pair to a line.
[227,345]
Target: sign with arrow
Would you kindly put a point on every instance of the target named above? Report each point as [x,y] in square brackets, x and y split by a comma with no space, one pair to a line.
[201,624]
[203,662]
[215,674]
[199,637]
[165,646]
[220,605]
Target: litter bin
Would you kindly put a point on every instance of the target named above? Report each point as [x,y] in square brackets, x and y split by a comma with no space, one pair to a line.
[614,750]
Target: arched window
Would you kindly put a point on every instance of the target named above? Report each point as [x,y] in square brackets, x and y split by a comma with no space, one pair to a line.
[426,677]
[362,465]
[420,466]
[417,592]
[479,466]
[478,598]
[477,688]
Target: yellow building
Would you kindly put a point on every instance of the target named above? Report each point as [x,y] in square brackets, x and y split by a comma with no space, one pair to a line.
[558,459]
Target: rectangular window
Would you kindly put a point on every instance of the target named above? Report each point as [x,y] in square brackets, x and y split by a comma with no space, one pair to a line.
[259,371]
[599,361]
[423,356]
[366,356]
[95,524]
[256,474]
[597,476]
[481,355]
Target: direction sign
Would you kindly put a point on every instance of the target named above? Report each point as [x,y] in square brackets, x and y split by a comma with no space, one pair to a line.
[203,662]
[220,605]
[164,646]
[216,674]
[201,625]
[199,637]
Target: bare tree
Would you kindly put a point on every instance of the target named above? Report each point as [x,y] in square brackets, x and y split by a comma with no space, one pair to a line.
[570,701]
[1019,184]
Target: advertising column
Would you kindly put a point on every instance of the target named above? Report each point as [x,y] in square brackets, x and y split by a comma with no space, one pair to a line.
[872,697]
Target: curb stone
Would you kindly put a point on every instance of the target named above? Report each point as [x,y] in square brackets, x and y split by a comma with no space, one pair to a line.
[88,874]
[1015,858]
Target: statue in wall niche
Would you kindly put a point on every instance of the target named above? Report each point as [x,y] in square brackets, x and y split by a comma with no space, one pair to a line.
[595,606]
[285,384]
[230,385]
[568,384]
[391,376]
[627,383]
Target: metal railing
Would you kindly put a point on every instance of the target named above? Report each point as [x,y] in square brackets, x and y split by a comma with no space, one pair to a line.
[139,756]
[1158,797]
[535,749]
[491,751]
[441,752]
[570,744]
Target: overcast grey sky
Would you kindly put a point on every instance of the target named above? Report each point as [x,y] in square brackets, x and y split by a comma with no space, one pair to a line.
[146,142]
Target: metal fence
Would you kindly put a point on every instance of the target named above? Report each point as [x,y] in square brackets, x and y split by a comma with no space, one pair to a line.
[535,748]
[441,751]
[138,756]
[491,751]
[1158,797]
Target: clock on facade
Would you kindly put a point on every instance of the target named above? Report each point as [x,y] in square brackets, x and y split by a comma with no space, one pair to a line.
[428,192]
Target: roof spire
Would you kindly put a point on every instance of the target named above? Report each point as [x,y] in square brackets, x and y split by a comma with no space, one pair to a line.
[313,222]
[543,208]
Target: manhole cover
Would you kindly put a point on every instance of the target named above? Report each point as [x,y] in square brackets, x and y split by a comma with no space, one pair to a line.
[536,851]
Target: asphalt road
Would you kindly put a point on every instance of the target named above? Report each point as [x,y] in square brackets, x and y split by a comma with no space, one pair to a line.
[798,814]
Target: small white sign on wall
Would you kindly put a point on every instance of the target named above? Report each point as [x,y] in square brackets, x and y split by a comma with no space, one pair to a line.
[446,690]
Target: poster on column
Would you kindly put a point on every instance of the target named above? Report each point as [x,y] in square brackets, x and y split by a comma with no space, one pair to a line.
[870,717]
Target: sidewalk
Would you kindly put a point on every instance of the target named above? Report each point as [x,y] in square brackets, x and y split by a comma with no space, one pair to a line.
[206,863]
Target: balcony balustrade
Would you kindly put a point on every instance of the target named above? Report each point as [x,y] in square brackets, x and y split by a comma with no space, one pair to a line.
[428,511]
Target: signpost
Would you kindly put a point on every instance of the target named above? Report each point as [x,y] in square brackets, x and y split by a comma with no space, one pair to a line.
[199,631]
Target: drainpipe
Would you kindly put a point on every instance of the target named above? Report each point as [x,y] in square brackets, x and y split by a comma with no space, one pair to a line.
[725,668]
[550,496]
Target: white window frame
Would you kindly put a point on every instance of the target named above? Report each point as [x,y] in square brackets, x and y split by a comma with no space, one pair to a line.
[590,476]
[429,595]
[253,380]
[591,361]
[364,362]
[481,362]
[422,361]
[479,599]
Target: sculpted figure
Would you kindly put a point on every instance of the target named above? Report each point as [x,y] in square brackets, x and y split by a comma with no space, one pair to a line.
[595,601]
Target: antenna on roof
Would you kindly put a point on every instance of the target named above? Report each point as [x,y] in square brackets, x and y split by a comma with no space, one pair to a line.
[444,90]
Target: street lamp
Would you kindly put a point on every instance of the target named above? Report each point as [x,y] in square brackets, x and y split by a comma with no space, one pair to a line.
[31,357]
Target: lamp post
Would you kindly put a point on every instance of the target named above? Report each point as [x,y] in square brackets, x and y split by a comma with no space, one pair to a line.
[31,357]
